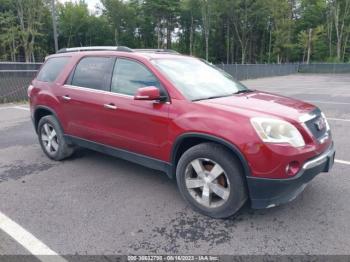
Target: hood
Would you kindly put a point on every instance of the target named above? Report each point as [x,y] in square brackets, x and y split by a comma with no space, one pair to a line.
[258,103]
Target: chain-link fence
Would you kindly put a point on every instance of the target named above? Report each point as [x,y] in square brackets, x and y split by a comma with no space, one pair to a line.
[15,77]
[14,84]
[14,80]
[252,71]
[324,68]
[19,66]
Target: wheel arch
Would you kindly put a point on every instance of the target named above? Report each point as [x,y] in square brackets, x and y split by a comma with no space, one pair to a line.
[40,112]
[187,140]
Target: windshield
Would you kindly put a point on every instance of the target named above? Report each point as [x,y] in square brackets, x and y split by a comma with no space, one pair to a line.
[198,80]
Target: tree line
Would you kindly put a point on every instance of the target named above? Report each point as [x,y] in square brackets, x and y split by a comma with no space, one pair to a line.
[221,31]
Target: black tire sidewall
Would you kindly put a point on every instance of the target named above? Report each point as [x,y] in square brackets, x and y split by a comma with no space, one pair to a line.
[232,169]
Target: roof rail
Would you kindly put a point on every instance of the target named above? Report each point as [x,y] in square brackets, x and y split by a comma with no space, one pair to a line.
[95,48]
[169,51]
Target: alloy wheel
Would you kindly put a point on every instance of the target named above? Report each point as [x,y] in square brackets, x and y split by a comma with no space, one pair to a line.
[207,182]
[49,139]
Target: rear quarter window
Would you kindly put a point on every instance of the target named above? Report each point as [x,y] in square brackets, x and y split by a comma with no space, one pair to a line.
[52,68]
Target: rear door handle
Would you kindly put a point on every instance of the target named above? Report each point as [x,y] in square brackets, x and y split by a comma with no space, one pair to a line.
[110,106]
[66,97]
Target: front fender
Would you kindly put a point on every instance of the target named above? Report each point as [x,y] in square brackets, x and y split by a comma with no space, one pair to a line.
[188,135]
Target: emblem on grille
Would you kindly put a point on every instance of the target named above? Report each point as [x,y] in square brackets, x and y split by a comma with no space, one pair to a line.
[320,124]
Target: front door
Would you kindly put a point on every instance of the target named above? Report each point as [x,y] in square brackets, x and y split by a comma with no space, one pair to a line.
[135,125]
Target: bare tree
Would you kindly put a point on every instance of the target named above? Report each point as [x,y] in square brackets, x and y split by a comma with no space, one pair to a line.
[29,14]
[206,15]
[53,14]
[345,45]
[340,12]
[241,18]
[9,34]
[309,41]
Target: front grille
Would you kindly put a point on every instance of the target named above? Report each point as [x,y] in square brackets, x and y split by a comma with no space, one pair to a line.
[317,125]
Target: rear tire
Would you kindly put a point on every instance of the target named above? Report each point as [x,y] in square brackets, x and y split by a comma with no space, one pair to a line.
[51,138]
[211,180]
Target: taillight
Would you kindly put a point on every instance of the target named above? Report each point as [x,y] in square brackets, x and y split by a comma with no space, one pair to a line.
[29,91]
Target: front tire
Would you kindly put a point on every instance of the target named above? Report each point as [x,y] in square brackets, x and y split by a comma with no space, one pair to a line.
[211,180]
[51,138]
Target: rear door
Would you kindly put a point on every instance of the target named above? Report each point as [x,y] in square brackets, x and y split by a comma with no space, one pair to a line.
[83,97]
[135,125]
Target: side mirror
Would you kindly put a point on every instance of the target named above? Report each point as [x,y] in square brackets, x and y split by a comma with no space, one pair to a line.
[149,93]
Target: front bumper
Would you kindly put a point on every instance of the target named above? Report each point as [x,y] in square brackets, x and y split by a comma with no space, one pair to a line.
[265,193]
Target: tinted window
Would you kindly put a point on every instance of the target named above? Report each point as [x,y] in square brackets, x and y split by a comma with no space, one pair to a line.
[128,76]
[52,68]
[93,72]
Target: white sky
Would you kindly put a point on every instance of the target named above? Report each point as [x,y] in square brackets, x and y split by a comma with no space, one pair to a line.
[91,3]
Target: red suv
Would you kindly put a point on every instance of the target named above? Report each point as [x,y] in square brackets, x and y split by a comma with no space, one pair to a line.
[224,143]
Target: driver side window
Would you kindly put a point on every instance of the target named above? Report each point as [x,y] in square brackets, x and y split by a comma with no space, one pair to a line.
[128,76]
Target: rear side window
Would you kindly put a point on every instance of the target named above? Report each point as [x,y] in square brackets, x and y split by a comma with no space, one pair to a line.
[52,68]
[94,72]
[129,76]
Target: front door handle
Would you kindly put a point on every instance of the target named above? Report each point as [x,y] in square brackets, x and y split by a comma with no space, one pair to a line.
[110,106]
[66,97]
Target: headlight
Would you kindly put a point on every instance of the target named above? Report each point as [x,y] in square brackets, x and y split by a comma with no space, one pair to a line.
[272,130]
[325,120]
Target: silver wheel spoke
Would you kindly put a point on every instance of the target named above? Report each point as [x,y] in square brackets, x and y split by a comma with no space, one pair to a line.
[54,145]
[53,133]
[44,138]
[198,168]
[215,172]
[48,147]
[206,196]
[220,191]
[47,129]
[194,182]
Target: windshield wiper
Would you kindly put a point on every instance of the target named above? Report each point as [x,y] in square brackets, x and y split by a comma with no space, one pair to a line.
[211,97]
[214,97]
[243,91]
